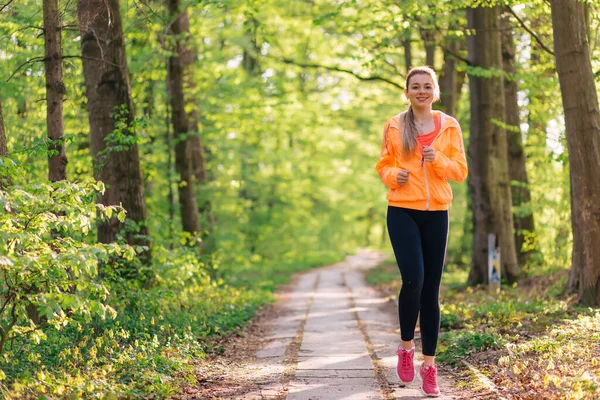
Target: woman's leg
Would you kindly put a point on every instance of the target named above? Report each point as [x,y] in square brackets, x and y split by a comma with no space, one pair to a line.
[406,242]
[434,236]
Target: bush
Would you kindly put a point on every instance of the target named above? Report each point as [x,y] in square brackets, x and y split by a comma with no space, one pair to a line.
[47,270]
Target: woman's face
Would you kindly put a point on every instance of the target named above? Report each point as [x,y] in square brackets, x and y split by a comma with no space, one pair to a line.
[420,91]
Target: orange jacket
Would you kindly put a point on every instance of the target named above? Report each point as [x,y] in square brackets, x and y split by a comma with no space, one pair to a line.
[427,187]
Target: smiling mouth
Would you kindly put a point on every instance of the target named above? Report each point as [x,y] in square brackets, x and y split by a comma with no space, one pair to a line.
[422,98]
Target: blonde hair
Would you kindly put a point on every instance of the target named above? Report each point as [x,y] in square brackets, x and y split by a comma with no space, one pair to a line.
[410,131]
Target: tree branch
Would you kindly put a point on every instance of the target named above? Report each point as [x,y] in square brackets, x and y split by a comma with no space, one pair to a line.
[347,71]
[456,55]
[30,61]
[22,29]
[532,33]
[6,5]
[391,64]
[38,59]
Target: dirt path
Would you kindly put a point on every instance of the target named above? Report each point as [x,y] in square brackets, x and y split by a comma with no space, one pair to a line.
[330,336]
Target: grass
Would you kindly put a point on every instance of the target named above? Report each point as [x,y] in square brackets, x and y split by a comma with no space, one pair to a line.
[529,339]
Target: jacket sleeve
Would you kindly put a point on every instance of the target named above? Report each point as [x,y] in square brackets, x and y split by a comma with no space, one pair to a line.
[452,164]
[385,167]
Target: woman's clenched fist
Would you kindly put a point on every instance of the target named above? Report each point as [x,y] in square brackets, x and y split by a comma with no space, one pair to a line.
[402,177]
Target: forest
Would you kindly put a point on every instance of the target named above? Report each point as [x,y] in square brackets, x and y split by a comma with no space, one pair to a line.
[165,165]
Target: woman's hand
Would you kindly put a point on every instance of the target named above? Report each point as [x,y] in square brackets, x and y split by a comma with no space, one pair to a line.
[402,177]
[428,154]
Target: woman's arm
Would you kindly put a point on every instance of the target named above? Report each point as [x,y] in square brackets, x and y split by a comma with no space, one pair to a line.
[452,164]
[385,167]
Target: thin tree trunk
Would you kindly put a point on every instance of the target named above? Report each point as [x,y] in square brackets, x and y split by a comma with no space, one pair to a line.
[521,196]
[582,120]
[55,90]
[109,102]
[251,146]
[149,99]
[486,52]
[451,80]
[181,125]
[429,43]
[3,148]
[170,171]
[407,53]
[188,58]
[478,170]
[22,108]
[538,101]
[4,178]
[448,83]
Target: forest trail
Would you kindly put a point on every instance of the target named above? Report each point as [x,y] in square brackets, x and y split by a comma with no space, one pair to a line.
[334,337]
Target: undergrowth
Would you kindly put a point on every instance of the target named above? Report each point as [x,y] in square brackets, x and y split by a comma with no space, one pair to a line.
[529,339]
[148,350]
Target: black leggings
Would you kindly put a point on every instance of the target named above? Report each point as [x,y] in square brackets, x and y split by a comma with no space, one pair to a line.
[419,240]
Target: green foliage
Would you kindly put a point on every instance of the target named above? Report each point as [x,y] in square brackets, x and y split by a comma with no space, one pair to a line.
[148,347]
[47,269]
[455,346]
[122,137]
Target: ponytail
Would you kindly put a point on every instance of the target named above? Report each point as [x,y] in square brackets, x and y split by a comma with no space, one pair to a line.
[409,132]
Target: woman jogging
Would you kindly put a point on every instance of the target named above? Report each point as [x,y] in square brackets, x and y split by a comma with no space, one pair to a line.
[422,148]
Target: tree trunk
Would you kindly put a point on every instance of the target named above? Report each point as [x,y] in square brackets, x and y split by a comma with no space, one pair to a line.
[521,196]
[582,120]
[407,53]
[486,53]
[181,125]
[4,178]
[250,57]
[3,148]
[55,90]
[251,144]
[109,108]
[448,83]
[429,43]
[539,99]
[478,170]
[451,80]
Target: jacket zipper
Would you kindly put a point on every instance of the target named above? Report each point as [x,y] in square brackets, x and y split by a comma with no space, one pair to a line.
[426,184]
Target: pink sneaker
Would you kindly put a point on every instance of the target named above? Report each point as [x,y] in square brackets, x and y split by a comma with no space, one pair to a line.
[429,379]
[406,367]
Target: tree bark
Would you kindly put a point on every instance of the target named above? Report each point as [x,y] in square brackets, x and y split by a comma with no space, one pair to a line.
[188,58]
[448,84]
[4,178]
[109,108]
[478,170]
[486,53]
[521,196]
[55,90]
[451,80]
[250,56]
[582,120]
[429,43]
[407,53]
[3,147]
[181,125]
[251,144]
